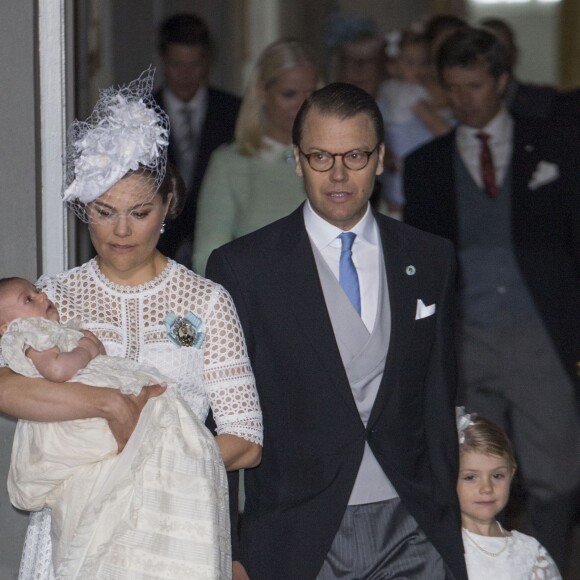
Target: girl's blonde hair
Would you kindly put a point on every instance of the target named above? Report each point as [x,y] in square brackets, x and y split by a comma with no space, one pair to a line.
[486,437]
[275,59]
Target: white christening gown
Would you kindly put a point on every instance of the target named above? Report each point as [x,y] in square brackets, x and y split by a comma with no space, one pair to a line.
[170,496]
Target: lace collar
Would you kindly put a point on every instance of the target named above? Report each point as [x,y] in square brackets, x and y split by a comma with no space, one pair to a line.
[93,266]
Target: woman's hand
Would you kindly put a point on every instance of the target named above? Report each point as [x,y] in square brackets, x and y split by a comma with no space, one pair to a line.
[238,571]
[430,116]
[124,412]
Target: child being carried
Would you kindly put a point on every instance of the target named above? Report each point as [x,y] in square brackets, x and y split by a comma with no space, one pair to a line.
[109,509]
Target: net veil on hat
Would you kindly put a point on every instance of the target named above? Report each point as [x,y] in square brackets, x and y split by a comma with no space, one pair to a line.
[127,133]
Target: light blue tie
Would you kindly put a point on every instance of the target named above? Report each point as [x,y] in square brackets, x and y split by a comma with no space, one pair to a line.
[347,275]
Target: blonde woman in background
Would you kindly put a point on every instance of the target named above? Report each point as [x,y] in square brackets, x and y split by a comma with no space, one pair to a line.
[252,181]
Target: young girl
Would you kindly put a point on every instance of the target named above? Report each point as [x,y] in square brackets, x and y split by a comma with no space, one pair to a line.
[103,503]
[486,469]
[410,118]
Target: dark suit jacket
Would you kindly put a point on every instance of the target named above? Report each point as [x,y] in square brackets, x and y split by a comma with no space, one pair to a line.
[313,435]
[543,102]
[526,100]
[218,128]
[545,220]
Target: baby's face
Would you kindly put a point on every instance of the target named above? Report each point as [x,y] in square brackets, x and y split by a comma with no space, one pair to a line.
[20,299]
[412,64]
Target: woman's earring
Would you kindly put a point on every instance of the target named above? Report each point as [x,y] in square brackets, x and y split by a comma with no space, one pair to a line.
[162,230]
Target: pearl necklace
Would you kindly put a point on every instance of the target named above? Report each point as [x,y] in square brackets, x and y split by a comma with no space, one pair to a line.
[466,533]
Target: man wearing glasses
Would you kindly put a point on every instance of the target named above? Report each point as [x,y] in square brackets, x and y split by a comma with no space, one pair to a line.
[348,318]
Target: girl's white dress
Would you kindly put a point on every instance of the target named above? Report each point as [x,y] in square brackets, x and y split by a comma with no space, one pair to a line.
[523,559]
[130,323]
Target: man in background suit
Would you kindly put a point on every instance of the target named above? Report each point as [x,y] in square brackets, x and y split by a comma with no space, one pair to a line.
[202,118]
[505,192]
[348,316]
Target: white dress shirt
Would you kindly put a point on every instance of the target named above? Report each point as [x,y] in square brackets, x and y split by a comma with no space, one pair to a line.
[501,135]
[187,148]
[366,253]
[174,106]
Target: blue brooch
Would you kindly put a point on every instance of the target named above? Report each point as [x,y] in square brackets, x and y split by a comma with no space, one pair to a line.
[184,330]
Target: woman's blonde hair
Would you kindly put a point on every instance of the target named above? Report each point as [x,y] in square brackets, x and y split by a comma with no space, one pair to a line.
[486,437]
[275,59]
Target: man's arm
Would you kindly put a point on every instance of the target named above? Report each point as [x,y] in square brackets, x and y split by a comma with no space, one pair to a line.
[441,384]
[415,185]
[428,183]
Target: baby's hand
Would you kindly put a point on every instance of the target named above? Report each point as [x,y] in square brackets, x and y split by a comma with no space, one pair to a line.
[91,343]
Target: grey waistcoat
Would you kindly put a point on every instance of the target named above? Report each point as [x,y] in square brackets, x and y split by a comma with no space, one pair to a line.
[363,356]
[493,291]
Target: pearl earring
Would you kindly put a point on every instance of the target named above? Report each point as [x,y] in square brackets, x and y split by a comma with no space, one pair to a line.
[162,229]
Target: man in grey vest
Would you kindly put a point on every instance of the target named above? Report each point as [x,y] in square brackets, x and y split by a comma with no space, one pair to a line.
[505,191]
[349,317]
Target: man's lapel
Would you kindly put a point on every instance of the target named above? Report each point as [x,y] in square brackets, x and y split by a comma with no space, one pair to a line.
[297,276]
[402,281]
[524,159]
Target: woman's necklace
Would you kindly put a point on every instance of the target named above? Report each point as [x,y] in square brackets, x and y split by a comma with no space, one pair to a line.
[467,534]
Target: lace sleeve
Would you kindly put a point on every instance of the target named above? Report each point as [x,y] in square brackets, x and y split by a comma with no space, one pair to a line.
[228,373]
[545,568]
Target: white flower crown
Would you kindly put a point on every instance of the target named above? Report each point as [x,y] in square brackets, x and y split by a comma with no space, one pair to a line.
[127,131]
[463,420]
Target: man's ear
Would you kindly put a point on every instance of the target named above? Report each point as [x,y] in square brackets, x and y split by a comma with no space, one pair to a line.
[502,83]
[381,163]
[298,166]
[3,328]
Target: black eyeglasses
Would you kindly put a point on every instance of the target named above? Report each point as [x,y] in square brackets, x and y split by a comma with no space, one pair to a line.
[324,161]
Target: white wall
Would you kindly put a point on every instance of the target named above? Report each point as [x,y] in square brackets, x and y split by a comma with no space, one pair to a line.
[18,202]
[536,25]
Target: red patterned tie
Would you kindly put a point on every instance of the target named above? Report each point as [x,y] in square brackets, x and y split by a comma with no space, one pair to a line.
[487,169]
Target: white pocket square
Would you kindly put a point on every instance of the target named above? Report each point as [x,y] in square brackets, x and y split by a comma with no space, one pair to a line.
[544,173]
[423,311]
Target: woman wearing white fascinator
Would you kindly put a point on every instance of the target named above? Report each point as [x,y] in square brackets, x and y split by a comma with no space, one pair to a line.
[146,307]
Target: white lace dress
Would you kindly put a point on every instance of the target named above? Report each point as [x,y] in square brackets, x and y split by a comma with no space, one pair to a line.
[523,559]
[129,321]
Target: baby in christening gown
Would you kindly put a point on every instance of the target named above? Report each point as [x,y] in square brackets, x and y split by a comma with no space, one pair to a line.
[109,510]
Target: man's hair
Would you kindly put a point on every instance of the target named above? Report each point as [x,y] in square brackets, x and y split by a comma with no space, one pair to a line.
[442,24]
[340,100]
[505,34]
[186,29]
[469,47]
